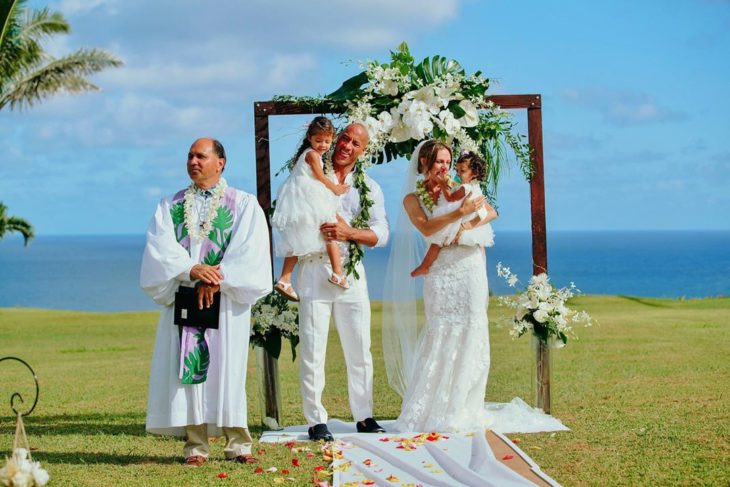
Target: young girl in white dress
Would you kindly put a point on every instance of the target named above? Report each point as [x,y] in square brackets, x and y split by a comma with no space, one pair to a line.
[306,200]
[473,229]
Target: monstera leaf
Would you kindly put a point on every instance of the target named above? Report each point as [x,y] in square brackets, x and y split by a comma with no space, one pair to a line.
[177,212]
[349,88]
[433,68]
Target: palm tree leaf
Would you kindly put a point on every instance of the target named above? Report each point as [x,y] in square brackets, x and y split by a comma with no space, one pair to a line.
[66,74]
[36,24]
[8,11]
[14,224]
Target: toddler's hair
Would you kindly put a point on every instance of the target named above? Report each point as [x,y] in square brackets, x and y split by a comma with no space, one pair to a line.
[320,125]
[477,165]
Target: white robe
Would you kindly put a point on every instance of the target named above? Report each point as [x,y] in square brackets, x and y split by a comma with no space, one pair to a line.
[220,401]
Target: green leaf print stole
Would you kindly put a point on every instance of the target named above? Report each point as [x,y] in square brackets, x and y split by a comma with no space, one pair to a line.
[194,352]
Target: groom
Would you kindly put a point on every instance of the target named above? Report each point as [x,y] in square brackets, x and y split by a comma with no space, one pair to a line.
[350,308]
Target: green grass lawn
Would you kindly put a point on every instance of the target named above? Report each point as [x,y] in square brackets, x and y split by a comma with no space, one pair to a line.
[645,393]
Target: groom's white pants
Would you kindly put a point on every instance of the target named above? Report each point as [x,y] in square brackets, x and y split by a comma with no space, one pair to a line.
[350,309]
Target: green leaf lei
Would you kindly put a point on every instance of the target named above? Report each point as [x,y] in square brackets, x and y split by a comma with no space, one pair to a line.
[362,220]
[424,195]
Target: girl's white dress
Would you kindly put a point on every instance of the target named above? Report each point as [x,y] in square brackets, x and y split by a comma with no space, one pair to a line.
[483,235]
[302,204]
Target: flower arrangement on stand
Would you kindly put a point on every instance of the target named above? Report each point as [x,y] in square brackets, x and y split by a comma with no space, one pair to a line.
[272,319]
[541,309]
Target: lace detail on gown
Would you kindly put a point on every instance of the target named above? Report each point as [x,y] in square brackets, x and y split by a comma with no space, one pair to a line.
[449,378]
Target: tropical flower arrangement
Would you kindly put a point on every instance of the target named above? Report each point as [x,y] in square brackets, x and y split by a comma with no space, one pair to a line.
[402,103]
[21,471]
[541,308]
[271,320]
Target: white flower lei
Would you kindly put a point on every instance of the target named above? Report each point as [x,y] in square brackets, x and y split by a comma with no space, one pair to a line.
[199,232]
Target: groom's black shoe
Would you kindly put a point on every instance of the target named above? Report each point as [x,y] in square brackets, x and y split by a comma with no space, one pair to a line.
[369,425]
[320,432]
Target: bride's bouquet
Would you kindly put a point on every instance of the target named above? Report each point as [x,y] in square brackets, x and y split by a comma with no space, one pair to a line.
[271,320]
[541,308]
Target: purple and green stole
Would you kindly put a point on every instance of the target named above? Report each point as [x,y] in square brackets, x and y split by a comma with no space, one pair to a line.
[194,352]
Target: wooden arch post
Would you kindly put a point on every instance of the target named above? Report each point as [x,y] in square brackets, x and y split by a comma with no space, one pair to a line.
[532,103]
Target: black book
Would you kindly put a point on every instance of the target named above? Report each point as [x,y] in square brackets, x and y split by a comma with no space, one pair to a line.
[188,314]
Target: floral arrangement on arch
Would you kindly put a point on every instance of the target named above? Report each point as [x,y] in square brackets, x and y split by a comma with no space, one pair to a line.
[271,320]
[403,103]
[541,308]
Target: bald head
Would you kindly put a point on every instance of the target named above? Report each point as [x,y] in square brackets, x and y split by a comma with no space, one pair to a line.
[206,161]
[350,145]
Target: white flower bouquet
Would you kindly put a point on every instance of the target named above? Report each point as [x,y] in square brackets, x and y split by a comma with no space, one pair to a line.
[21,471]
[541,308]
[271,320]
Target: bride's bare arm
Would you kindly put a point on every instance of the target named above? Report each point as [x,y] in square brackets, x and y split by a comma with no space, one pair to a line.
[429,227]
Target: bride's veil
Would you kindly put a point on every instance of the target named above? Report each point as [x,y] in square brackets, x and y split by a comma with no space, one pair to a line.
[401,324]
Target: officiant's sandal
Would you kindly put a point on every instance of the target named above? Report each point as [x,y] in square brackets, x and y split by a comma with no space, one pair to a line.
[286,290]
[339,280]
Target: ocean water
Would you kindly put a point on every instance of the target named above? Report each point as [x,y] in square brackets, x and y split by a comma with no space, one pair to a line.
[101,273]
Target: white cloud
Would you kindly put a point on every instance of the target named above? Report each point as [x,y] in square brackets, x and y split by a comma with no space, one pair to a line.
[622,107]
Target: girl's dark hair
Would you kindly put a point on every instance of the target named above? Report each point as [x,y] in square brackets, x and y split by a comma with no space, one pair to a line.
[477,165]
[429,151]
[320,125]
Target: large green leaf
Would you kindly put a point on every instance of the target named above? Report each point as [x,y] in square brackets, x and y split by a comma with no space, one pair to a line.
[272,343]
[177,212]
[349,87]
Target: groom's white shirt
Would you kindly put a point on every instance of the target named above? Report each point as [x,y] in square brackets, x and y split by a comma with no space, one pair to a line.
[312,279]
[350,309]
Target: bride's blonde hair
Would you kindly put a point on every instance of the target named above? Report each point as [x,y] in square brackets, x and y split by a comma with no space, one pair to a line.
[429,151]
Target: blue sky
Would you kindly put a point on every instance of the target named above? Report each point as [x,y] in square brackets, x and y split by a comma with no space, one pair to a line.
[635,105]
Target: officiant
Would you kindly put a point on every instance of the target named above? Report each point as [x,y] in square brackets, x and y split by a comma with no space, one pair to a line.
[206,262]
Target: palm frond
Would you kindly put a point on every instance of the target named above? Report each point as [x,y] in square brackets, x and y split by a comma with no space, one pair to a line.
[8,9]
[21,226]
[67,74]
[36,24]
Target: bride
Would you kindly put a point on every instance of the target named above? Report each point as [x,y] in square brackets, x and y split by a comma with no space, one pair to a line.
[440,371]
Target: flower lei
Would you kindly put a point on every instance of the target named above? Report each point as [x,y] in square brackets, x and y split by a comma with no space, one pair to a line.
[199,232]
[424,195]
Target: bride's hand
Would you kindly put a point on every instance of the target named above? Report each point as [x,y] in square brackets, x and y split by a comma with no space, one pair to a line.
[470,205]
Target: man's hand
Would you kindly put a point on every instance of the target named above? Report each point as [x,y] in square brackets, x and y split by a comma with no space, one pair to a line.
[205,295]
[339,230]
[209,274]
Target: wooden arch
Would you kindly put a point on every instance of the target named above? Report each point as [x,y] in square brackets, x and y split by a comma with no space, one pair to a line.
[532,103]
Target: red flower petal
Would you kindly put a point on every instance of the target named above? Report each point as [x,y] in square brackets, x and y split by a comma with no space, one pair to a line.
[516,440]
[384,439]
[284,471]
[295,462]
[222,475]
[507,457]
[318,468]
[259,470]
[310,455]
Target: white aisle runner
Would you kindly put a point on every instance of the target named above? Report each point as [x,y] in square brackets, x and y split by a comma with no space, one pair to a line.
[432,459]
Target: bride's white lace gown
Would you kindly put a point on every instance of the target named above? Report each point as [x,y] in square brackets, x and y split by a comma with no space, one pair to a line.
[449,379]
